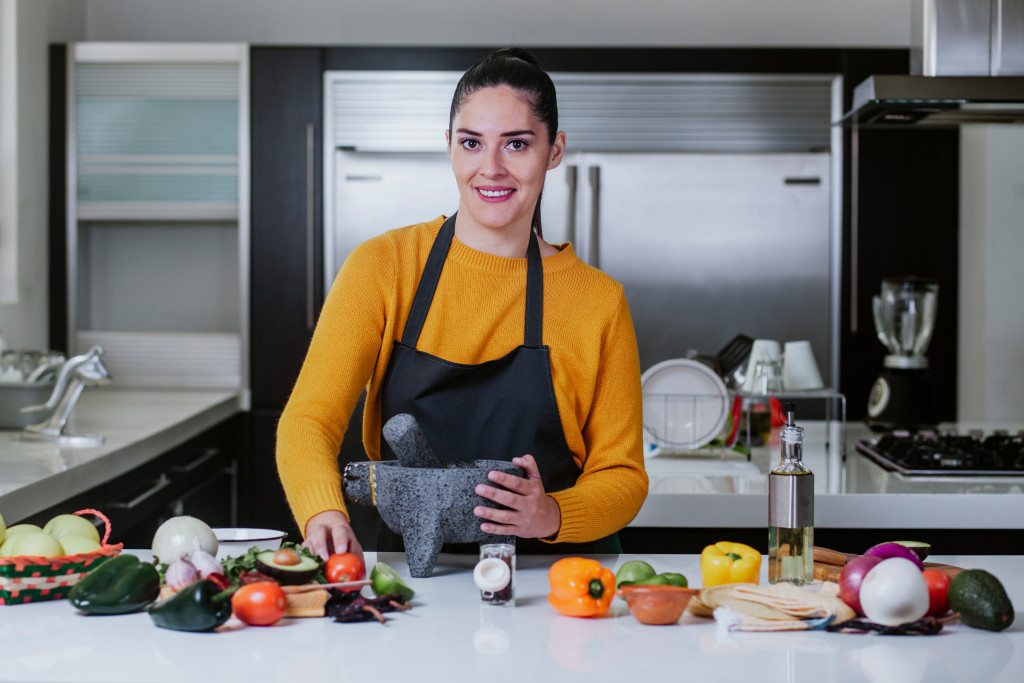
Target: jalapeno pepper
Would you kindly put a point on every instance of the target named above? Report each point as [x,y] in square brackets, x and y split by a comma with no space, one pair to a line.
[200,606]
[121,584]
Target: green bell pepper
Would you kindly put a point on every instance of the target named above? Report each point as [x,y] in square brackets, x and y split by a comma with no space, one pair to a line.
[121,584]
[200,606]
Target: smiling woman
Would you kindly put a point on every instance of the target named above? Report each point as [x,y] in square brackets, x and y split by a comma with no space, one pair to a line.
[499,344]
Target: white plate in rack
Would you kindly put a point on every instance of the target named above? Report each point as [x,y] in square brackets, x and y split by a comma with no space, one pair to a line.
[685,405]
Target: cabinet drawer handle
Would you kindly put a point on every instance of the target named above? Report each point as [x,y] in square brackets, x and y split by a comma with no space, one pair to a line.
[159,485]
[198,462]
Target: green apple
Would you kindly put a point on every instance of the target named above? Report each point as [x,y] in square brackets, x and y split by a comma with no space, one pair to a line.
[34,543]
[7,545]
[21,528]
[3,529]
[74,544]
[64,525]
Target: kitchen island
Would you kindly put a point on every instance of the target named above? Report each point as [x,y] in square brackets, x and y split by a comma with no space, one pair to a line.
[722,488]
[449,635]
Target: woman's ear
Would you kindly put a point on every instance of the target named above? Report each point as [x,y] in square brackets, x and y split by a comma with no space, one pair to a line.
[448,142]
[557,150]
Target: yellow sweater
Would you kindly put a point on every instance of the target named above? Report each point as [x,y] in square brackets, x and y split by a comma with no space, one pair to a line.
[476,315]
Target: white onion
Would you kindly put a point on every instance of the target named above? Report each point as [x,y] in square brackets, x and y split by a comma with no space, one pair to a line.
[894,592]
[179,535]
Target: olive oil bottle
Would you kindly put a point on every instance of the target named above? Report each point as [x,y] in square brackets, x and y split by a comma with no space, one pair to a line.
[791,510]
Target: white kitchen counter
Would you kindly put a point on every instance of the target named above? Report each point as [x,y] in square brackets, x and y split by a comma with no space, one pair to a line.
[720,488]
[138,424]
[449,635]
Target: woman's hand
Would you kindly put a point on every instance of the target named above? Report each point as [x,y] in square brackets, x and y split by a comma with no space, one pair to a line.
[531,513]
[329,532]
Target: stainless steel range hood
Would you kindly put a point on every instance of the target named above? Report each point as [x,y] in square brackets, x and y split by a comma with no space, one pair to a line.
[967,61]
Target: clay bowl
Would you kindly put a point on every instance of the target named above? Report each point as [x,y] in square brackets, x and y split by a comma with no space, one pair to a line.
[656,604]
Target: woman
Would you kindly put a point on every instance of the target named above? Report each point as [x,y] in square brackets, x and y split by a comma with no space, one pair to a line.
[485,333]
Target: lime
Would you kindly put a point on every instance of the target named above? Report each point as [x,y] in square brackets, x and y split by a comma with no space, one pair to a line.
[634,571]
[675,579]
[386,581]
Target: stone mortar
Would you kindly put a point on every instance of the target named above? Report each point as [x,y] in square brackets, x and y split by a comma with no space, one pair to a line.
[427,506]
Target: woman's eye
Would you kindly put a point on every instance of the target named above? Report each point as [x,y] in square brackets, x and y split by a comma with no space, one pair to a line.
[517,145]
[470,143]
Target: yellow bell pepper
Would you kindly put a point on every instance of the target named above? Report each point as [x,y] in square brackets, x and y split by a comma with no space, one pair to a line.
[726,562]
[580,587]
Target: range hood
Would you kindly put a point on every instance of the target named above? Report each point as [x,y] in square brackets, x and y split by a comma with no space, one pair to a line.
[967,66]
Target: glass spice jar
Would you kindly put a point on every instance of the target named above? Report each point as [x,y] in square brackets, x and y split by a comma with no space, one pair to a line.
[495,573]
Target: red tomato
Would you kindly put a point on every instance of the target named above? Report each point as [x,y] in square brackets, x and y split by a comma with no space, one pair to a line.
[938,592]
[343,567]
[259,604]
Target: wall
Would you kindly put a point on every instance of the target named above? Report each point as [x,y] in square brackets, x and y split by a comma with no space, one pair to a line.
[24,165]
[838,23]
[991,373]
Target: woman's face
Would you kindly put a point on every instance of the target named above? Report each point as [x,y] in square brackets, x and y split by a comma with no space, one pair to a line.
[500,153]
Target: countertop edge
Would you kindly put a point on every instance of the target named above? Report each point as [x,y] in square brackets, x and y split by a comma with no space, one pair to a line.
[52,490]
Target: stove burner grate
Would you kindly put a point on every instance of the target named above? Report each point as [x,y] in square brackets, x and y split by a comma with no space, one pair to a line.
[948,452]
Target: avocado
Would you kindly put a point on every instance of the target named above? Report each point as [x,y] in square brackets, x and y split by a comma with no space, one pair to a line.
[287,574]
[981,600]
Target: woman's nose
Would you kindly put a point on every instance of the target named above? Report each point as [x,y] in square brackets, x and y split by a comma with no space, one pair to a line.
[493,164]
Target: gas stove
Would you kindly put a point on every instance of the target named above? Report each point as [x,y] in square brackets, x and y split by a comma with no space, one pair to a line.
[948,453]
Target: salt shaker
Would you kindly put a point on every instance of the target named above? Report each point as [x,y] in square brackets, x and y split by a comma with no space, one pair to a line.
[495,573]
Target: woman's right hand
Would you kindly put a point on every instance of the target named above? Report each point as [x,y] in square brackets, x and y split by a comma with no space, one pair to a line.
[330,532]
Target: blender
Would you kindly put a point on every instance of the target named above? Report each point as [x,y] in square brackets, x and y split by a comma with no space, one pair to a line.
[904,313]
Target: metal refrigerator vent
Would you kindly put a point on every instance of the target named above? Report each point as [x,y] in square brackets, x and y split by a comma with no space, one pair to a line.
[407,111]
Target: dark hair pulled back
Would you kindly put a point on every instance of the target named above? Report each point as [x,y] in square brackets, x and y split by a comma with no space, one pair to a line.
[516,68]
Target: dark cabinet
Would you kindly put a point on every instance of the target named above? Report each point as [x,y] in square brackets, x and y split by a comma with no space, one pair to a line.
[287,215]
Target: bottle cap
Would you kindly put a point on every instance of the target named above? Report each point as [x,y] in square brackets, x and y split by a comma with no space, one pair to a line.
[491,574]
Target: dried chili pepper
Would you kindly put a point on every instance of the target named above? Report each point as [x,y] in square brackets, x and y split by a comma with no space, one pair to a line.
[928,626]
[349,607]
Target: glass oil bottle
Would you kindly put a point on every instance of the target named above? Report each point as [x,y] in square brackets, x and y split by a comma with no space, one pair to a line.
[791,510]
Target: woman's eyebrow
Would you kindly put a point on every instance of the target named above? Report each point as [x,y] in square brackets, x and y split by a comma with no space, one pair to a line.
[509,134]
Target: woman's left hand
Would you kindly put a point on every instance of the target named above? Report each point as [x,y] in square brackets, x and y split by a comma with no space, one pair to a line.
[531,513]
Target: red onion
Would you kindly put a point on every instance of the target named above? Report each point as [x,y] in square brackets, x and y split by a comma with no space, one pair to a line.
[887,550]
[853,575]
[205,563]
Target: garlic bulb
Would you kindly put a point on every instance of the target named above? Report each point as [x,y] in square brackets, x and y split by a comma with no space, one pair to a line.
[181,573]
[206,564]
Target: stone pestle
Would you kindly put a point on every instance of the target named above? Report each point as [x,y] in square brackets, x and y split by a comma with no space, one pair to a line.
[412,449]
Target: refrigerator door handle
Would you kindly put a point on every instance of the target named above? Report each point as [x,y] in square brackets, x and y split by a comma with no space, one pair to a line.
[570,220]
[593,251]
[310,232]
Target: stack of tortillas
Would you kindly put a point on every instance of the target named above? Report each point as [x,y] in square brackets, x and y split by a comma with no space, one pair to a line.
[778,607]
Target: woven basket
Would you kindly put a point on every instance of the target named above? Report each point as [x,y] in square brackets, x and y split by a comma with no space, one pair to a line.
[28,578]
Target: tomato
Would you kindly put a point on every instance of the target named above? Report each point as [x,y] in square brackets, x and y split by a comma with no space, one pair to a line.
[938,592]
[259,604]
[343,567]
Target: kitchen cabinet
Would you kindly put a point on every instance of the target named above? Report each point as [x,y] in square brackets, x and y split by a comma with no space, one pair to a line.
[154,178]
[197,478]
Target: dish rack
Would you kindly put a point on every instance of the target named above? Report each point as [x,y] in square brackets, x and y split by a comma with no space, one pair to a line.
[712,425]
[685,423]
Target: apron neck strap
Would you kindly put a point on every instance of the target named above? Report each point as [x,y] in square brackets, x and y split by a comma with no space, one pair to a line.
[432,275]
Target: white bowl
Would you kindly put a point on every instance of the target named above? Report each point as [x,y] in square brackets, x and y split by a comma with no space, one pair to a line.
[237,541]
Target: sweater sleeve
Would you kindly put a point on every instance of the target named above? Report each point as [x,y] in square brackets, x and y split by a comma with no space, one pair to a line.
[613,484]
[341,358]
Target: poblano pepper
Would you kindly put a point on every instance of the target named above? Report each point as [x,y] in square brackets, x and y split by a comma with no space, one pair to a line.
[119,585]
[200,606]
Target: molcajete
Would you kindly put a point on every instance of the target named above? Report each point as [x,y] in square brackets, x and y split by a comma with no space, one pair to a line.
[427,506]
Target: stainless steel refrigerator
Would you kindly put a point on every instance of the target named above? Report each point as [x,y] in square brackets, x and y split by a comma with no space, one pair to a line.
[706,245]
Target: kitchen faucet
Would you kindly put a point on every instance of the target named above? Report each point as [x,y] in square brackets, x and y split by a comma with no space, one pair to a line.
[77,373]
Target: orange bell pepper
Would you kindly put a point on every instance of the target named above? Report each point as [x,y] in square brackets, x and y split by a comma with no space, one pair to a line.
[580,587]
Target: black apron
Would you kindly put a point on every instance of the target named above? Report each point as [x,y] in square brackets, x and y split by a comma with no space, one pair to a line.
[496,410]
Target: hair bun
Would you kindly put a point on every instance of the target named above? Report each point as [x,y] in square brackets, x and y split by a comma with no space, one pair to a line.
[515,52]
